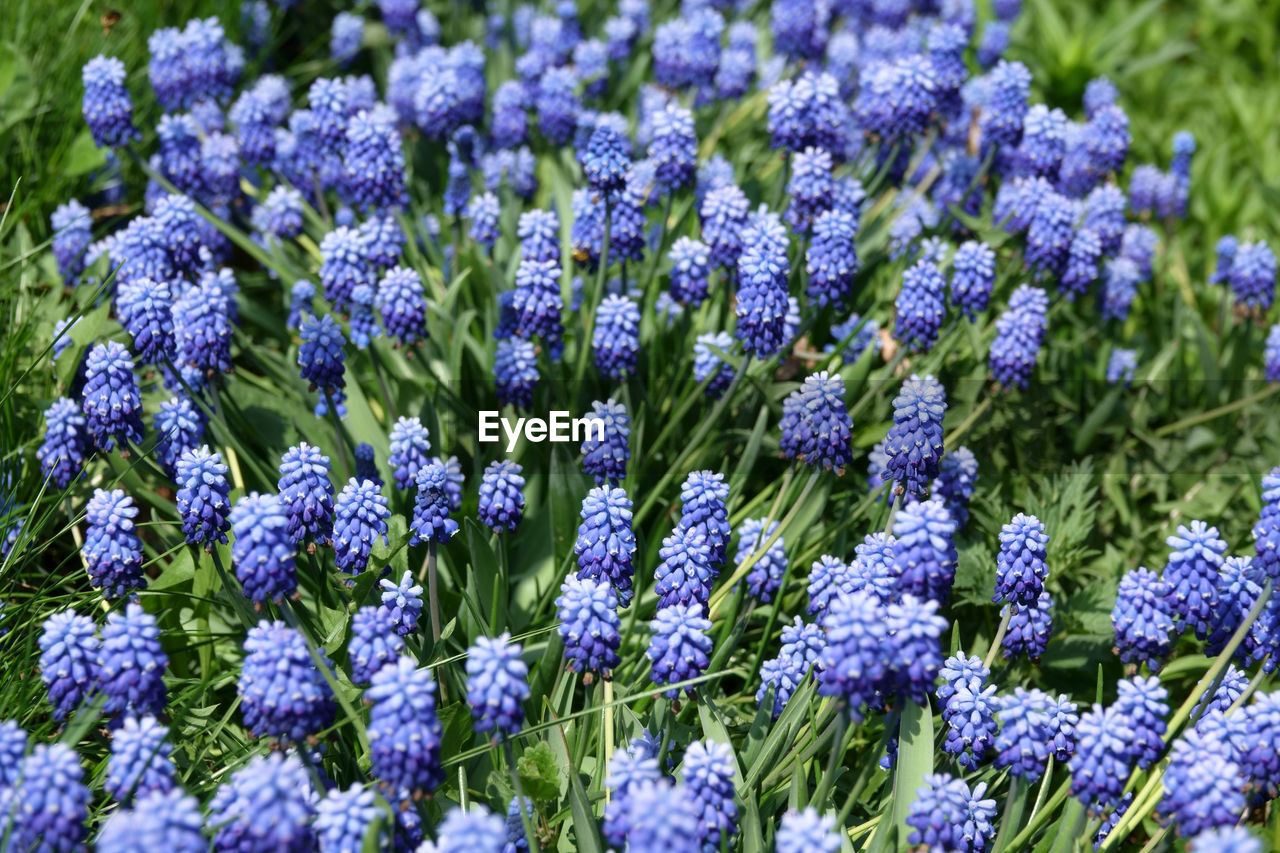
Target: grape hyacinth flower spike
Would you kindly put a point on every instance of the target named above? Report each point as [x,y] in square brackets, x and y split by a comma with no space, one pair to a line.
[606,545]
[502,496]
[112,400]
[402,603]
[914,443]
[816,426]
[112,550]
[497,685]
[279,664]
[359,518]
[306,493]
[587,610]
[262,551]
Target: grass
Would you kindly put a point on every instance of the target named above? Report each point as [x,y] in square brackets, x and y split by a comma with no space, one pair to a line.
[1110,471]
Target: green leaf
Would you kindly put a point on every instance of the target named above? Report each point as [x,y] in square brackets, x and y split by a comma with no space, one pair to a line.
[83,155]
[584,821]
[539,774]
[915,761]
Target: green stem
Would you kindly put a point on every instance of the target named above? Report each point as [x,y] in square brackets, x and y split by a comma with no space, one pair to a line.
[433,596]
[999,637]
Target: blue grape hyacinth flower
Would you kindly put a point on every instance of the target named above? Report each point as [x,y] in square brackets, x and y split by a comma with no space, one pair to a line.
[404,731]
[66,445]
[343,265]
[1195,565]
[924,553]
[112,402]
[306,493]
[690,269]
[69,649]
[402,603]
[587,610]
[374,643]
[1253,276]
[627,770]
[855,659]
[265,805]
[686,571]
[108,109]
[497,685]
[679,646]
[139,762]
[322,361]
[709,364]
[703,497]
[1204,788]
[971,724]
[431,508]
[475,830]
[515,372]
[957,479]
[724,214]
[359,518]
[1024,743]
[262,550]
[502,496]
[402,302]
[831,259]
[1143,618]
[765,576]
[606,460]
[131,663]
[283,693]
[615,337]
[51,799]
[409,445]
[345,818]
[947,815]
[1030,627]
[1020,564]
[914,444]
[816,427]
[673,147]
[1019,333]
[605,160]
[708,779]
[1102,762]
[1143,702]
[180,428]
[807,832]
[204,497]
[112,550]
[920,306]
[763,270]
[606,546]
[973,272]
[72,228]
[913,654]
